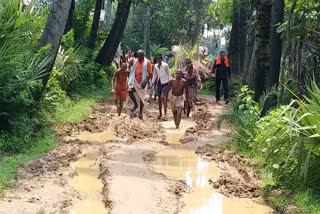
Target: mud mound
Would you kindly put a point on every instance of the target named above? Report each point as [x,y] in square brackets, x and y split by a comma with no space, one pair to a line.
[105,176]
[149,156]
[237,180]
[136,129]
[52,161]
[204,123]
[233,186]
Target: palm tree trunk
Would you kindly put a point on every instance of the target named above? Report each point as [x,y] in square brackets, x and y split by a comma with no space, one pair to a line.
[235,42]
[277,15]
[109,49]
[243,33]
[108,14]
[70,18]
[53,32]
[95,24]
[147,31]
[262,48]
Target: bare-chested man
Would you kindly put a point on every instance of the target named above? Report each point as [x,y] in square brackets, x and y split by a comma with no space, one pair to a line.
[179,87]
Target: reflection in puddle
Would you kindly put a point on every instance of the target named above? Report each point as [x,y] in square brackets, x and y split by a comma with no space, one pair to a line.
[96,138]
[87,183]
[182,163]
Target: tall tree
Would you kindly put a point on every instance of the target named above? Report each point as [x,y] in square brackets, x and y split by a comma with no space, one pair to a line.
[70,18]
[53,32]
[234,49]
[262,45]
[146,37]
[277,15]
[108,14]
[95,24]
[250,43]
[243,32]
[110,47]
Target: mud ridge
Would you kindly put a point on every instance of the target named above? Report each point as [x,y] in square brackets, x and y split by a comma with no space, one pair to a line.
[238,179]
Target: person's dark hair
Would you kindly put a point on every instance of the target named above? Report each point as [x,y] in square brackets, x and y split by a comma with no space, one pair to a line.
[188,61]
[159,56]
[135,54]
[222,52]
[155,60]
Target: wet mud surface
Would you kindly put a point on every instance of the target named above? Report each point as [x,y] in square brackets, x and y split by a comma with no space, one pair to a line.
[117,157]
[237,179]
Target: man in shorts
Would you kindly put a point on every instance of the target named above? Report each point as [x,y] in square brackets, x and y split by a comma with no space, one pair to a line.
[179,87]
[161,78]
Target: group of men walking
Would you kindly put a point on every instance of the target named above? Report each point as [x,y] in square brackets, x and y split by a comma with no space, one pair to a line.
[184,86]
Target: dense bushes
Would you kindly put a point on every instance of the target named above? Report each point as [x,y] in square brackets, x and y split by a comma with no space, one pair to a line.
[23,105]
[286,142]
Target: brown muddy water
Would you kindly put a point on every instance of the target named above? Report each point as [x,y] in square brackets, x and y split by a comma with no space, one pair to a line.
[86,179]
[182,163]
[96,138]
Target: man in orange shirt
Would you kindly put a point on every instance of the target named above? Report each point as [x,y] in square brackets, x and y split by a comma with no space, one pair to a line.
[140,74]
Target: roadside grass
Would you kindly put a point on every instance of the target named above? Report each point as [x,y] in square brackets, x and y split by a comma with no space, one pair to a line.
[79,108]
[301,201]
[71,111]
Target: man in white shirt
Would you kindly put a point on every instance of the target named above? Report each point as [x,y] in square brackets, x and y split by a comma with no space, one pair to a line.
[161,78]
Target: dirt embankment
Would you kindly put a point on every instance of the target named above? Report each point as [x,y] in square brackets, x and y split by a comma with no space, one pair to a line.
[237,178]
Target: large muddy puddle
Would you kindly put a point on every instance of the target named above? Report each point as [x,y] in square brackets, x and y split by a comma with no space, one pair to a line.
[85,179]
[181,163]
[87,183]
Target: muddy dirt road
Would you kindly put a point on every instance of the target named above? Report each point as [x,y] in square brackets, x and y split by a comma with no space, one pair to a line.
[111,165]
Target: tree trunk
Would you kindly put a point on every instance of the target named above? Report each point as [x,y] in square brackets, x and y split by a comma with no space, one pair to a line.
[109,14]
[262,47]
[235,42]
[286,51]
[243,32]
[53,31]
[95,24]
[190,18]
[146,37]
[250,44]
[196,24]
[252,68]
[70,17]
[277,15]
[109,49]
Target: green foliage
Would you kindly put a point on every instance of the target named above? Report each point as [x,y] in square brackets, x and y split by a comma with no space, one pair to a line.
[8,164]
[67,41]
[157,49]
[82,21]
[285,142]
[220,14]
[308,201]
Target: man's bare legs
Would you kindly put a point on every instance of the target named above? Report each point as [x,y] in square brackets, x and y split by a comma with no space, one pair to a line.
[163,100]
[188,110]
[141,110]
[117,103]
[133,98]
[178,117]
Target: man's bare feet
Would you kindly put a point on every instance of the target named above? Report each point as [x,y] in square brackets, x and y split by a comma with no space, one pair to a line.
[160,117]
[140,116]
